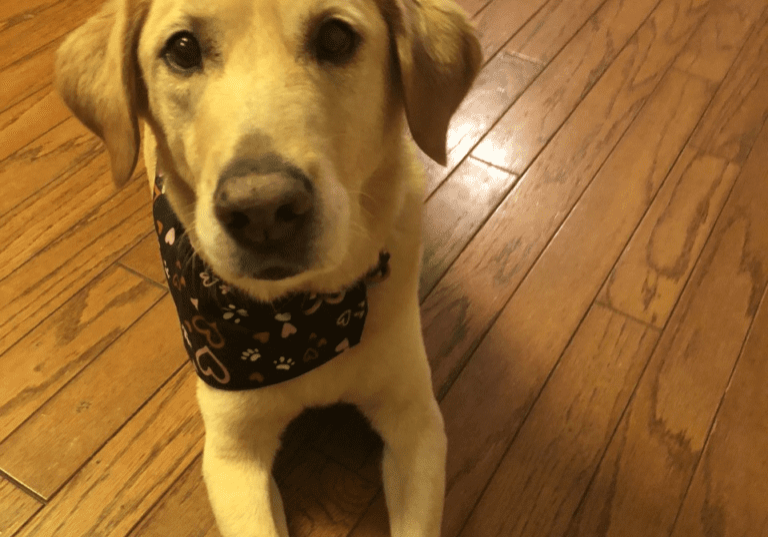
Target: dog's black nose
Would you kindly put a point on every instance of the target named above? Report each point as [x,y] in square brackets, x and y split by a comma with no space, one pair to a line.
[264,209]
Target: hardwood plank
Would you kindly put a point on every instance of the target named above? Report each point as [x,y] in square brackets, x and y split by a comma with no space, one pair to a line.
[731,124]
[466,300]
[711,52]
[73,424]
[74,335]
[729,493]
[609,35]
[59,271]
[16,507]
[375,521]
[545,34]
[144,258]
[33,225]
[48,159]
[184,511]
[454,214]
[27,76]
[496,389]
[505,77]
[29,119]
[33,28]
[501,19]
[651,272]
[109,495]
[651,459]
[548,466]
[323,499]
[500,82]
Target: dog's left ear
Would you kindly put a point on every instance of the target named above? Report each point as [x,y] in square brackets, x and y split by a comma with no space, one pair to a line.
[97,75]
[439,56]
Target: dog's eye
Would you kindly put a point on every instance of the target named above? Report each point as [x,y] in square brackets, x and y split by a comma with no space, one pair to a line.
[182,51]
[335,41]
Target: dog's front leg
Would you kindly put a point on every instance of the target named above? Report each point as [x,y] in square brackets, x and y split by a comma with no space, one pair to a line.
[237,468]
[408,419]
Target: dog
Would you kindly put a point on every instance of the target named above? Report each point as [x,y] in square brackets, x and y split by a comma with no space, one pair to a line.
[275,142]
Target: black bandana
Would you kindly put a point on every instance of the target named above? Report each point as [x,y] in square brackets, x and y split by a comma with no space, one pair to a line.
[238,343]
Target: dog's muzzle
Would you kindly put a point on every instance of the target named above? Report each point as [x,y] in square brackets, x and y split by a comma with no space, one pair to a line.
[268,208]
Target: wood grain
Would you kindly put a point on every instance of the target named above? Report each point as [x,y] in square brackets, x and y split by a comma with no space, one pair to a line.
[183,511]
[710,53]
[521,133]
[465,302]
[512,363]
[728,496]
[28,29]
[454,214]
[651,273]
[730,125]
[109,495]
[74,335]
[29,119]
[497,86]
[28,76]
[42,218]
[16,507]
[144,258]
[83,251]
[95,404]
[558,448]
[323,499]
[29,175]
[652,457]
[548,31]
[500,19]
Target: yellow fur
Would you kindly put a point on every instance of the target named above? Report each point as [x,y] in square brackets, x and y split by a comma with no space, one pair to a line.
[344,125]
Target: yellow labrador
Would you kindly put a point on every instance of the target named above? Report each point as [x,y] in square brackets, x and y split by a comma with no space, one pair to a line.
[277,129]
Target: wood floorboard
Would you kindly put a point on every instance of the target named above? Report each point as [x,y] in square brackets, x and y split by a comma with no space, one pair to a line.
[96,403]
[718,502]
[111,492]
[473,291]
[45,360]
[16,507]
[535,326]
[652,457]
[594,296]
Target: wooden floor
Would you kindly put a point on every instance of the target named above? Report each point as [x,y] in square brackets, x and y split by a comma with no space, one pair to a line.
[593,295]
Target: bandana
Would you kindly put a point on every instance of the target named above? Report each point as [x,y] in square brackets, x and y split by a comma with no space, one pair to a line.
[238,343]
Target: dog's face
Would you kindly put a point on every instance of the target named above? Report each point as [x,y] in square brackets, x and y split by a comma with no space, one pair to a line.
[278,122]
[271,113]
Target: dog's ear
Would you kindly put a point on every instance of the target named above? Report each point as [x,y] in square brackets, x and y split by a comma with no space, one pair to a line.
[439,56]
[97,75]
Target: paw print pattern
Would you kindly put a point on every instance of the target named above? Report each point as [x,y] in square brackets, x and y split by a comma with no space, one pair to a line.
[284,363]
[251,354]
[235,313]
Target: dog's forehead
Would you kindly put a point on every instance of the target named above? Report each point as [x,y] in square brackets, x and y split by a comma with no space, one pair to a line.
[248,15]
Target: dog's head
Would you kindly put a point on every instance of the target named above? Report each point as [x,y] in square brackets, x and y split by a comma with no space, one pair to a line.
[278,122]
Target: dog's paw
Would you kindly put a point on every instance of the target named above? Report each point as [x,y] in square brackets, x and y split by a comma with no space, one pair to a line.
[284,363]
[251,354]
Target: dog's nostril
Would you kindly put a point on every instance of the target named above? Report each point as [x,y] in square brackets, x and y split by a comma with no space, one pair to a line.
[236,220]
[285,213]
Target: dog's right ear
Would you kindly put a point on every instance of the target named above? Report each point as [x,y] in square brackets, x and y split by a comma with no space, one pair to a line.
[97,75]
